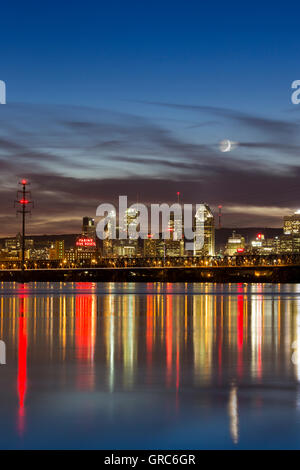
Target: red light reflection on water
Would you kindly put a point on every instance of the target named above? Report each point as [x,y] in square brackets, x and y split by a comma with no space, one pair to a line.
[240,333]
[22,359]
[169,339]
[85,336]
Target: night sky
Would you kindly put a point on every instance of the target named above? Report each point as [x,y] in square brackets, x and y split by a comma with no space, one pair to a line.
[133,97]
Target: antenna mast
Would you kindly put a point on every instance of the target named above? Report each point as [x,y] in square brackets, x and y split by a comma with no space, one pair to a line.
[23,203]
[220,216]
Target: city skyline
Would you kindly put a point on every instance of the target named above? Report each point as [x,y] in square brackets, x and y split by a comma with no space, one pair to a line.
[98,244]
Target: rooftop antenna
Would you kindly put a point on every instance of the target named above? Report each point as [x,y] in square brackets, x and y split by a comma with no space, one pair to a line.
[220,216]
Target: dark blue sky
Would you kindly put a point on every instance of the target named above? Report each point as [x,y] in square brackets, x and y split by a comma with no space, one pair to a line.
[134,96]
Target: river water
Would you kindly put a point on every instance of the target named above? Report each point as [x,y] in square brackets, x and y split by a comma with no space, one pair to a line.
[150,366]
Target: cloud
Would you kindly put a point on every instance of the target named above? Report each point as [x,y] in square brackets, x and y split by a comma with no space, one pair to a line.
[275,128]
[78,158]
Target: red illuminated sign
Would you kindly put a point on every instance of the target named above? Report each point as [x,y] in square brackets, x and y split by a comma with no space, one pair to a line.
[240,250]
[85,242]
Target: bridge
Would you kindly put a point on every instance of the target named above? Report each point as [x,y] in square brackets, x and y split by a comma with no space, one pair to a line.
[291,259]
[241,269]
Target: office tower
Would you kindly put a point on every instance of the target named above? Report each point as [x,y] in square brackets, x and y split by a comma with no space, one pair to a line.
[111,225]
[291,223]
[88,227]
[60,249]
[107,248]
[235,244]
[289,243]
[174,248]
[204,224]
[130,219]
[175,226]
[150,247]
[57,250]
[70,255]
[126,248]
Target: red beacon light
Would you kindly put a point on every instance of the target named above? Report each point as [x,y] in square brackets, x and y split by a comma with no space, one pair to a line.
[24,201]
[23,181]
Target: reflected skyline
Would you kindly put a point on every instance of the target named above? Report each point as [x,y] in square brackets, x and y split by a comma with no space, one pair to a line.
[170,340]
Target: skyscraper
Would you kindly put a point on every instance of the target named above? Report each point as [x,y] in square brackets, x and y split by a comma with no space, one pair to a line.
[88,227]
[130,220]
[235,244]
[57,250]
[291,223]
[205,224]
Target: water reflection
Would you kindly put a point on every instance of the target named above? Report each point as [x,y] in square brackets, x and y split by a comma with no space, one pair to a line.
[233,414]
[22,361]
[201,346]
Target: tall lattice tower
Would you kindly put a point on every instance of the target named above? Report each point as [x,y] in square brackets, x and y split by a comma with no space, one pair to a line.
[23,204]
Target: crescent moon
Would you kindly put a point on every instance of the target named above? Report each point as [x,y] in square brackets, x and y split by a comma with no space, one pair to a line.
[225,145]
